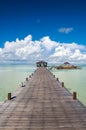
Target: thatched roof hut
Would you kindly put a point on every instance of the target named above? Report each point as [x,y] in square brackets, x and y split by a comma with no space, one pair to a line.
[41,64]
[67,65]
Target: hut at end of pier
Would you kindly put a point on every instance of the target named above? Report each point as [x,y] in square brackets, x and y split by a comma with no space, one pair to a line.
[41,64]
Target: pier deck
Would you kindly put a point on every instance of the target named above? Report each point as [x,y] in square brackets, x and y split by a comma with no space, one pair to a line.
[43,104]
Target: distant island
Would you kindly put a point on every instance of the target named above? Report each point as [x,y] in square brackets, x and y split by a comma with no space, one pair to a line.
[67,65]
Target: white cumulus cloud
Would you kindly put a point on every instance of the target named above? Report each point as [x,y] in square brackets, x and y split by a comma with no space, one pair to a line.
[65,30]
[44,49]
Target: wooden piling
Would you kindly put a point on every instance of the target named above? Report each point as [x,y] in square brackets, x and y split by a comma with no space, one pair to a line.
[54,76]
[9,96]
[62,84]
[74,95]
[57,79]
[26,78]
[29,76]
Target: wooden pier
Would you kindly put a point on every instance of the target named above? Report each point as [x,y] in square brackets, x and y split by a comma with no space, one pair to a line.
[42,104]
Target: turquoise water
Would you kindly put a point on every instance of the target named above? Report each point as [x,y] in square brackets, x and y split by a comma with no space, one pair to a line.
[11,77]
[74,80]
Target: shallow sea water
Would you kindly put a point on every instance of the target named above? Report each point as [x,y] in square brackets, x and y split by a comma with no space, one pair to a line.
[74,80]
[11,77]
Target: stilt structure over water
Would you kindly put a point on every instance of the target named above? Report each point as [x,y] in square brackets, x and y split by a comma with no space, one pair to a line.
[41,64]
[43,104]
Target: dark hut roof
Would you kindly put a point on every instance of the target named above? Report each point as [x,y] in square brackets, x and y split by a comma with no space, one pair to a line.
[39,62]
[66,63]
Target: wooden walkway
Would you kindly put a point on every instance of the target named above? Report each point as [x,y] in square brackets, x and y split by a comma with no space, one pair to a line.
[43,104]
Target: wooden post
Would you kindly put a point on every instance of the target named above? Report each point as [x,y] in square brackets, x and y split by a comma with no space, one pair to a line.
[9,96]
[29,76]
[54,76]
[26,78]
[62,84]
[74,95]
[57,79]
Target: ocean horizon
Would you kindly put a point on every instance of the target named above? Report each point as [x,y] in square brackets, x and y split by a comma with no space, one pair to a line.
[11,76]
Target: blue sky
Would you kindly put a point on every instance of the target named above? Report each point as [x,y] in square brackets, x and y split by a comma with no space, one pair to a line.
[63,21]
